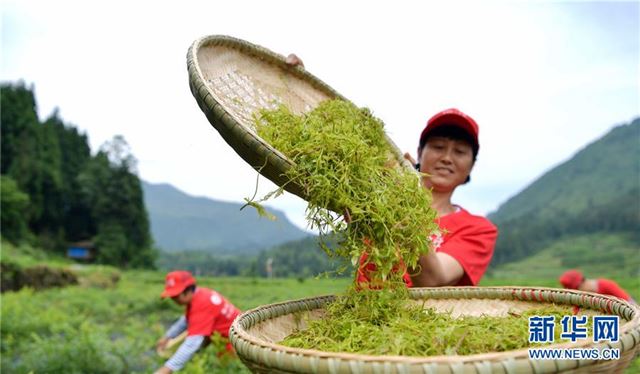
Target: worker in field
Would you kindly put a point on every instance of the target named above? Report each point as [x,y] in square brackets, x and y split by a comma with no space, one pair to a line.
[206,312]
[575,280]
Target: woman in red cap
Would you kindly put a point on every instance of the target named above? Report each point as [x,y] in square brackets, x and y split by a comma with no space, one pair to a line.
[574,280]
[464,245]
[447,152]
[206,312]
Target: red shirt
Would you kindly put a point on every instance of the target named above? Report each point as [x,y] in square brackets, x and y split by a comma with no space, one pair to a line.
[467,238]
[208,311]
[609,287]
[470,240]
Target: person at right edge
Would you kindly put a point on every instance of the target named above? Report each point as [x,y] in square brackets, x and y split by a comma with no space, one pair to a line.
[573,279]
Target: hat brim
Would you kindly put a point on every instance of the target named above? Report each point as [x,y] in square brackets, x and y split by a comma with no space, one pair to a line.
[453,120]
[171,292]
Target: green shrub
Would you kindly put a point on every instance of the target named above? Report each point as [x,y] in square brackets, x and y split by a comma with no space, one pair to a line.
[86,350]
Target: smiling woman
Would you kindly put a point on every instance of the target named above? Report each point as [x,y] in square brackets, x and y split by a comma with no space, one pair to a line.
[448,161]
[464,245]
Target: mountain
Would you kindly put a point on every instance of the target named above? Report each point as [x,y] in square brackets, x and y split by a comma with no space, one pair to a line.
[596,191]
[183,222]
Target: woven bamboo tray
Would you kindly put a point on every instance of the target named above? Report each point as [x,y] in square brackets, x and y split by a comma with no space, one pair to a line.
[231,79]
[255,335]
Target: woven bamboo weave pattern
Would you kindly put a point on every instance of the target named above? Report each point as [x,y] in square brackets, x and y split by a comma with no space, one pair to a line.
[232,79]
[256,333]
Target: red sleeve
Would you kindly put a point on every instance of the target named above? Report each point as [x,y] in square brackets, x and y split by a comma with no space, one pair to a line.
[609,287]
[365,269]
[471,244]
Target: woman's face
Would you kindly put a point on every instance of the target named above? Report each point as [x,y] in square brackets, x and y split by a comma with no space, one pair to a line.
[447,162]
[182,299]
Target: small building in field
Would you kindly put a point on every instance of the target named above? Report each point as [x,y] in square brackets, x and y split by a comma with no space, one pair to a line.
[82,251]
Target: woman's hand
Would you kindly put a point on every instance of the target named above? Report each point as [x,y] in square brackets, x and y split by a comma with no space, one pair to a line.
[436,269]
[347,216]
[163,370]
[161,345]
[408,157]
[294,60]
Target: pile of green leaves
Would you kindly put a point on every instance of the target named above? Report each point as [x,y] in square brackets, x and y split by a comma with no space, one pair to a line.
[347,167]
[349,172]
[381,323]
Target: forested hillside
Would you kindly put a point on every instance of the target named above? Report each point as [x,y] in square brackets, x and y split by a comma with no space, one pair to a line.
[596,191]
[610,255]
[302,258]
[54,191]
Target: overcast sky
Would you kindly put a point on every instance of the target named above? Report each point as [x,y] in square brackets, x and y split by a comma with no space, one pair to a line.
[542,79]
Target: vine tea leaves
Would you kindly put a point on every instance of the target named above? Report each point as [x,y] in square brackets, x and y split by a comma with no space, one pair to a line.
[380,323]
[344,163]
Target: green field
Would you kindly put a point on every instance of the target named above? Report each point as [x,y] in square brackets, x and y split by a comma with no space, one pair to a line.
[88,329]
[102,327]
[608,255]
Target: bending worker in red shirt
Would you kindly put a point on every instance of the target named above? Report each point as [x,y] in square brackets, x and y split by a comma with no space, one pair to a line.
[464,245]
[574,279]
[206,312]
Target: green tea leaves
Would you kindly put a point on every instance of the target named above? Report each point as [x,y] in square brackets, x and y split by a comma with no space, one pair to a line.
[345,164]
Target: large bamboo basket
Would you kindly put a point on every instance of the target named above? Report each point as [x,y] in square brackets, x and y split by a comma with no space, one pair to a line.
[255,335]
[231,79]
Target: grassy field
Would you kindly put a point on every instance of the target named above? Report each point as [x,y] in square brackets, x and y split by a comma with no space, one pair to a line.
[86,329]
[100,327]
[597,255]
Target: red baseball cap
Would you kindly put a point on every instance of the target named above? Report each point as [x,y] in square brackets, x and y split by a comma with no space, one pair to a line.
[571,279]
[452,117]
[176,282]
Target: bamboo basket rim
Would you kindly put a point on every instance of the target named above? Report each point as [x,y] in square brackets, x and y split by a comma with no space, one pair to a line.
[236,133]
[261,52]
[517,292]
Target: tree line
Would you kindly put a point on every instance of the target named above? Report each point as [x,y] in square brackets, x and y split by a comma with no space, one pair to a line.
[295,259]
[55,192]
